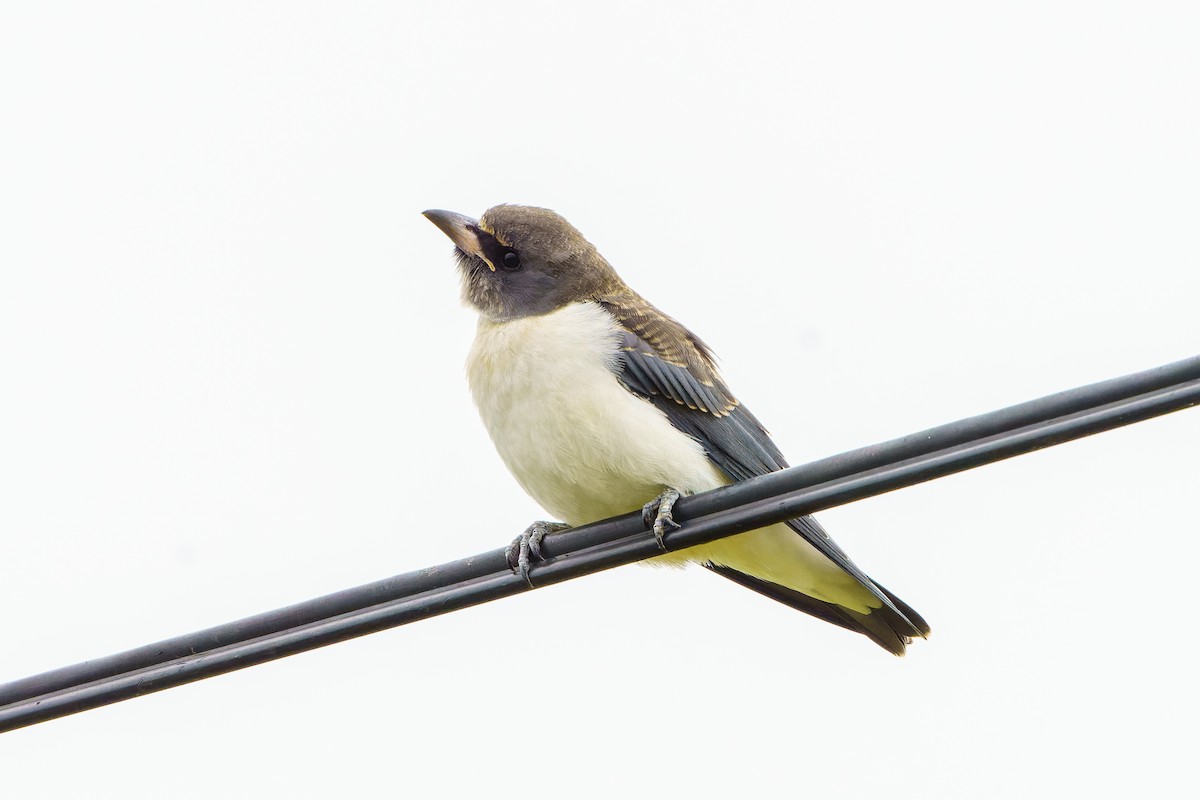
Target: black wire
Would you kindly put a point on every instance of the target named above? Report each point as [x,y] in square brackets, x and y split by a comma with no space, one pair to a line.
[437,590]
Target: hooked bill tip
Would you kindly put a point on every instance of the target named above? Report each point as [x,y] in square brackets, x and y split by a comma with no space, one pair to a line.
[461,229]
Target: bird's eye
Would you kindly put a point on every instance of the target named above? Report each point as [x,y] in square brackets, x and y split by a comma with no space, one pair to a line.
[511,260]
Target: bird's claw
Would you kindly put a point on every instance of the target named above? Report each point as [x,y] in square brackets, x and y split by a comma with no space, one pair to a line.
[656,515]
[528,546]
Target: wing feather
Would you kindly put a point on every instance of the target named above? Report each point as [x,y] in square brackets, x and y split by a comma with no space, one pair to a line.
[669,366]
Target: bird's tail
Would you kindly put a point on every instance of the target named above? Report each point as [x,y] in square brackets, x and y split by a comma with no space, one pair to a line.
[796,563]
[892,627]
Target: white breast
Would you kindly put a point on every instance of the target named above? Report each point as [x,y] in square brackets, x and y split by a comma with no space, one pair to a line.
[577,441]
[585,448]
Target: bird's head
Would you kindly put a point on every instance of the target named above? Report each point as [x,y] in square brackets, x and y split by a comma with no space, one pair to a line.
[522,261]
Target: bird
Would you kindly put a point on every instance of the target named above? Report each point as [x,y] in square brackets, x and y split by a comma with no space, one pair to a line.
[600,404]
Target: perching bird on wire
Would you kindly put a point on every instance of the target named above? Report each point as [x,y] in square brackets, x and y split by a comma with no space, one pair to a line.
[600,404]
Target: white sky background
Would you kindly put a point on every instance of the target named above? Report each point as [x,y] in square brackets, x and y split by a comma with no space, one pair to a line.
[232,362]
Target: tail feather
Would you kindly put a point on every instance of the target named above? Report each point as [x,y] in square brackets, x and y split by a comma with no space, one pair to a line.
[891,627]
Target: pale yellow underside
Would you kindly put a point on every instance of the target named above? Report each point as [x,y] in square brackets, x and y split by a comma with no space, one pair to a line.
[585,448]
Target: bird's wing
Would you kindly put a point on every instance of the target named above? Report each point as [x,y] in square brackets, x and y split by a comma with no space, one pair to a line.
[672,368]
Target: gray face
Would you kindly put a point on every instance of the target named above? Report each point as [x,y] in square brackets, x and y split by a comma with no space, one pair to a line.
[521,261]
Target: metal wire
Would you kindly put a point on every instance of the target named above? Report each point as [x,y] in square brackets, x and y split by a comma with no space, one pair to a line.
[406,598]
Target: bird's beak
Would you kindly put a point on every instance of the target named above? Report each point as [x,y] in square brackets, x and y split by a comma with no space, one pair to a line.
[461,229]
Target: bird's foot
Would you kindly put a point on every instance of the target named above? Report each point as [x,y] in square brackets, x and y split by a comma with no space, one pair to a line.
[528,546]
[656,515]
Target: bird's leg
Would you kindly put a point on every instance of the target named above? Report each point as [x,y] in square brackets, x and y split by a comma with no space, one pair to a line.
[529,545]
[656,515]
